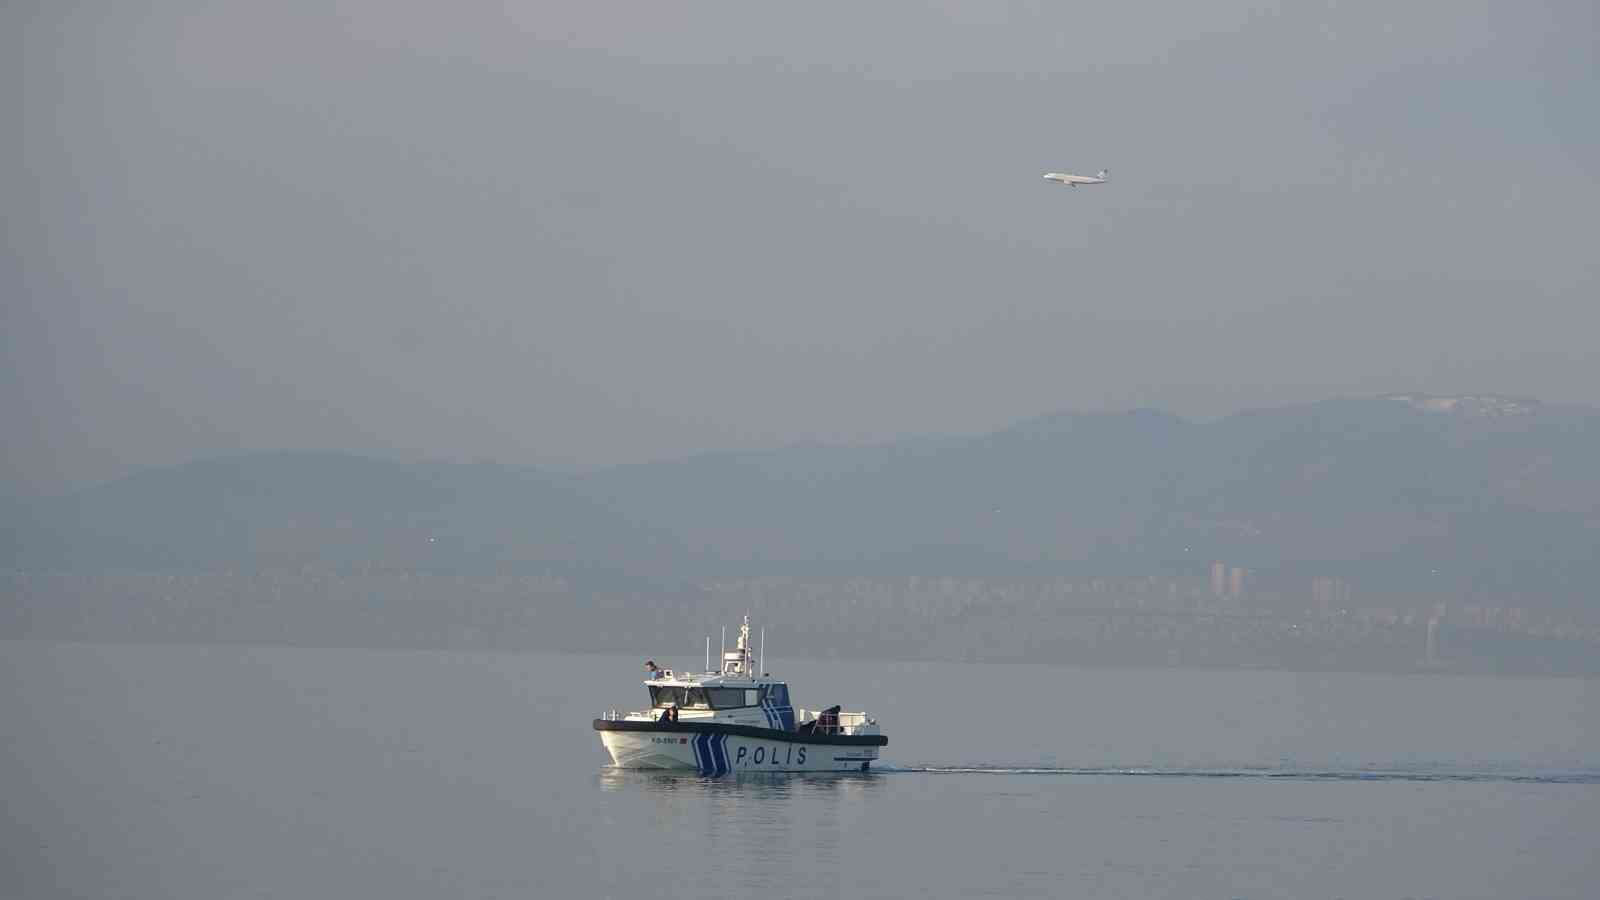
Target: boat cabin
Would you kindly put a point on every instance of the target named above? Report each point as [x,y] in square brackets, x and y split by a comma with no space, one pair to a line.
[739,694]
[763,703]
[735,695]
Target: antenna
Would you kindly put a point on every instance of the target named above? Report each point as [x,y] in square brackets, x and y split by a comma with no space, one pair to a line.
[722,652]
[763,651]
[708,653]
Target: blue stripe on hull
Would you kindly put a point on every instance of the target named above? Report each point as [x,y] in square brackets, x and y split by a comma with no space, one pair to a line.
[702,754]
[711,754]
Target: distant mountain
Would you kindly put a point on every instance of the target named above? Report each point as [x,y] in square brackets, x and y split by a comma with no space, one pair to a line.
[1057,488]
[1391,481]
[1425,491]
[278,510]
[1426,494]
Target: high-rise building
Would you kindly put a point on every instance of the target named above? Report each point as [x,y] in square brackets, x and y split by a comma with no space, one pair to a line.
[1219,579]
[1329,595]
[1322,596]
[1236,583]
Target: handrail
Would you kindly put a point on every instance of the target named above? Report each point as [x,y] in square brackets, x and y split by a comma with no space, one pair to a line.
[845,723]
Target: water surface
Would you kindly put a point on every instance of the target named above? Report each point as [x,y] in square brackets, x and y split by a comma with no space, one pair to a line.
[208,771]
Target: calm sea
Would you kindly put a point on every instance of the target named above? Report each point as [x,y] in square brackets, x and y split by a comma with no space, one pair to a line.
[210,772]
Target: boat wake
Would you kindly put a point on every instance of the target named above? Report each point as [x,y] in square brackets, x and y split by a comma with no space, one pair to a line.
[1579,776]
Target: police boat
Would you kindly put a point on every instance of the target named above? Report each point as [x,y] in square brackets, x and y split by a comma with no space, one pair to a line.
[735,721]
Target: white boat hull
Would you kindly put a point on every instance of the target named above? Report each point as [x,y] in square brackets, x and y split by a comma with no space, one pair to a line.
[719,752]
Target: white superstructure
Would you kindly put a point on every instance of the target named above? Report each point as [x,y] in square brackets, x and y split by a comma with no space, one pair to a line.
[736,719]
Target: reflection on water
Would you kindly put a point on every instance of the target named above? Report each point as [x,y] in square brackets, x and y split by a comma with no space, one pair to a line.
[770,832]
[773,785]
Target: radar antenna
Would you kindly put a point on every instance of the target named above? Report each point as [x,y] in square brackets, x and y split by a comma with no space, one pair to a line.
[740,660]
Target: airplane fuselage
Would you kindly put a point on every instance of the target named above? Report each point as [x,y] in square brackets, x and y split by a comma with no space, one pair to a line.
[1074,180]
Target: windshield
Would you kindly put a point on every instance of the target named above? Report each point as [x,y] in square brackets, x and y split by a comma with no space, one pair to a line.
[684,698]
[728,698]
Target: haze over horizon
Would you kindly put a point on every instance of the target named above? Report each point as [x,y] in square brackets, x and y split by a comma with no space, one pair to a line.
[1442,404]
[383,382]
[601,235]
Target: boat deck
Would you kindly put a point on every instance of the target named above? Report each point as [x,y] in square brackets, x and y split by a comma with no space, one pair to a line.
[711,726]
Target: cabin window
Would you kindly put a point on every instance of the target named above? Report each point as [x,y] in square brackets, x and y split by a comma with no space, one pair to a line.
[727,698]
[751,697]
[684,698]
[777,694]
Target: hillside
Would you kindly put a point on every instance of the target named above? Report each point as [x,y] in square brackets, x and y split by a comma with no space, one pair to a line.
[325,510]
[1413,493]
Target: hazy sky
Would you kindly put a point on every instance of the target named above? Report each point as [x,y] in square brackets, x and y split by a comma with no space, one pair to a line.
[616,231]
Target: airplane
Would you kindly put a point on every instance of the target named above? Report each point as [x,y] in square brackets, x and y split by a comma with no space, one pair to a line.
[1075,180]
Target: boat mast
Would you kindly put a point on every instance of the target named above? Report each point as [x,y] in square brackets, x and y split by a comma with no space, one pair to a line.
[740,660]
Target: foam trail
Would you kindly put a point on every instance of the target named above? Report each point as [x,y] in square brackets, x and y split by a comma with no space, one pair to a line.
[1579,776]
